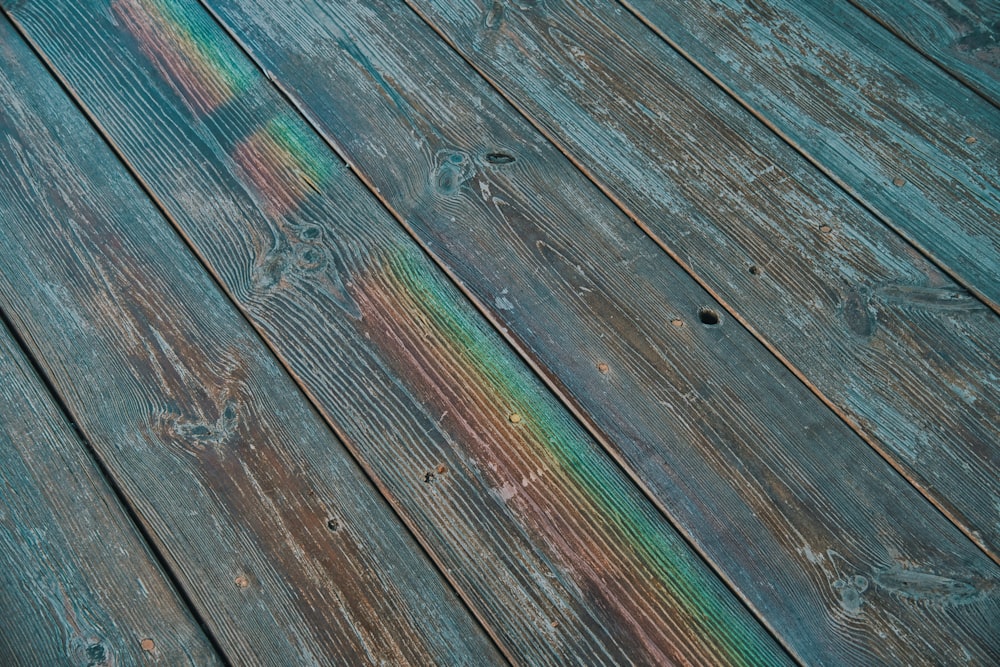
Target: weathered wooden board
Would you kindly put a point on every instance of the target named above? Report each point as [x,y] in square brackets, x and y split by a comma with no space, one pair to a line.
[767,482]
[908,357]
[917,147]
[962,36]
[278,539]
[550,543]
[78,584]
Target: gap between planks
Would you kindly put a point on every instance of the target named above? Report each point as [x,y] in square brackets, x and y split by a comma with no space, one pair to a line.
[556,388]
[375,191]
[153,545]
[521,354]
[582,418]
[953,72]
[784,136]
[314,402]
[870,440]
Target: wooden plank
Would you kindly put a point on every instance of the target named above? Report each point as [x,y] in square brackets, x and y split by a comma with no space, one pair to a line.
[551,545]
[760,476]
[961,36]
[911,143]
[903,353]
[286,551]
[78,584]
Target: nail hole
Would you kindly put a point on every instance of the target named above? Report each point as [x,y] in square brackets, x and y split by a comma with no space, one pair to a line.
[753,270]
[333,525]
[428,478]
[499,158]
[708,317]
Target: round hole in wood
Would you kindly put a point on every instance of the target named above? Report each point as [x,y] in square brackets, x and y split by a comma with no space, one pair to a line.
[708,316]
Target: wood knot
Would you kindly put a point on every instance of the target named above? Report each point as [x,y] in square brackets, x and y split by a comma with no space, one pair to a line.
[499,158]
[453,170]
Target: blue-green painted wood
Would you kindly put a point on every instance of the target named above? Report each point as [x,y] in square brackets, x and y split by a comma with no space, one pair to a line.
[910,142]
[78,583]
[761,477]
[550,544]
[278,539]
[902,352]
[962,36]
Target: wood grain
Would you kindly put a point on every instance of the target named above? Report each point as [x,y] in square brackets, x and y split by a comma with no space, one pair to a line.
[877,117]
[549,542]
[962,36]
[771,486]
[906,355]
[285,549]
[78,584]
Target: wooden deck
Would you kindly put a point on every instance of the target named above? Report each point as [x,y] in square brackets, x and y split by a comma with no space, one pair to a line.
[499,331]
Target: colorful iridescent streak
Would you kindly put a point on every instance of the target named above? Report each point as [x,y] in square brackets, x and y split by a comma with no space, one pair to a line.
[612,543]
[284,162]
[187,49]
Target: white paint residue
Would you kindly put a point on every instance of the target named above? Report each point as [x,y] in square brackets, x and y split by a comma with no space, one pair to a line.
[507,491]
[503,303]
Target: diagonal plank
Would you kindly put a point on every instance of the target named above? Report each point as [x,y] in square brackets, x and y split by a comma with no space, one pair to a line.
[912,144]
[962,36]
[763,493]
[551,545]
[78,584]
[903,353]
[278,539]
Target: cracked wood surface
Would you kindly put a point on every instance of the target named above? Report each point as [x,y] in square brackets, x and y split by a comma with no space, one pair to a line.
[78,584]
[553,549]
[905,354]
[277,538]
[914,145]
[730,444]
[962,36]
[549,543]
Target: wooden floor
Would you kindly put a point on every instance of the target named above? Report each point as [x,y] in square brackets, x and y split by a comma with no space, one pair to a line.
[499,331]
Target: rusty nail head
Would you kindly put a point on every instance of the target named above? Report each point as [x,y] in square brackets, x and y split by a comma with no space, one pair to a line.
[442,470]
[677,322]
[970,140]
[899,182]
[515,418]
[242,581]
[147,645]
[602,367]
